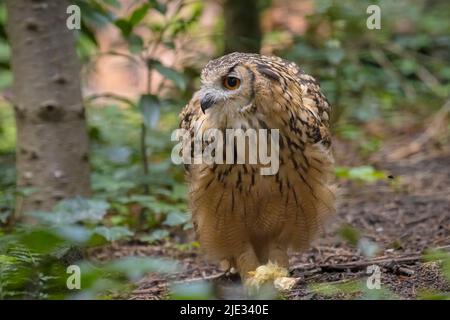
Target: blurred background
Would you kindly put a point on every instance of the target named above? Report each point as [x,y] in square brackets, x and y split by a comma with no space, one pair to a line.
[140,64]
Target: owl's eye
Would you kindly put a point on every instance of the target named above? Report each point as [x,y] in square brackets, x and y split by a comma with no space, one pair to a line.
[231,83]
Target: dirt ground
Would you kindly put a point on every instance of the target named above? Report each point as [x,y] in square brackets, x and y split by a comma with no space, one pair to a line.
[403,215]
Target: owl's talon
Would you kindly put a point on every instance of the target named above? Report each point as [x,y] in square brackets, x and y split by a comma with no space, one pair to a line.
[225,265]
[269,274]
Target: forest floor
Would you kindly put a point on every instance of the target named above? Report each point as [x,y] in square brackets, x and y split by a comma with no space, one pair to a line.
[403,215]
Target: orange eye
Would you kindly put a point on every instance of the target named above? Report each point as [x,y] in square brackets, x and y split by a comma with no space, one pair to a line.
[231,83]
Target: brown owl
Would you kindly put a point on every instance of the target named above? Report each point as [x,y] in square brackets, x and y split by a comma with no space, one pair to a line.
[242,218]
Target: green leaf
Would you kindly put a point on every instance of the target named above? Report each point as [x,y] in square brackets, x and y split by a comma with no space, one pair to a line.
[321,6]
[367,248]
[169,73]
[80,209]
[95,13]
[119,154]
[135,42]
[156,235]
[433,295]
[179,192]
[25,191]
[362,173]
[136,267]
[169,44]
[113,233]
[143,200]
[335,55]
[89,33]
[7,260]
[366,173]
[41,240]
[441,256]
[74,234]
[331,289]
[139,14]
[74,210]
[150,107]
[160,7]
[176,218]
[113,3]
[124,26]
[4,216]
[350,234]
[199,290]
[188,225]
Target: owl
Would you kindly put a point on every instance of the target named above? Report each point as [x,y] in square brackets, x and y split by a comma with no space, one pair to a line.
[244,219]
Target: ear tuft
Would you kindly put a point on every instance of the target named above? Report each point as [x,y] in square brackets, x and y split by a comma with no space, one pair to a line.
[266,71]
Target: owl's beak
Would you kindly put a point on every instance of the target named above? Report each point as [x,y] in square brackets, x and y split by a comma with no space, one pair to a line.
[207,102]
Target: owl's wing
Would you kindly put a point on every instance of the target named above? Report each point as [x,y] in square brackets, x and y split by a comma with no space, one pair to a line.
[312,94]
[309,93]
[319,102]
[309,86]
[189,116]
[313,99]
[190,113]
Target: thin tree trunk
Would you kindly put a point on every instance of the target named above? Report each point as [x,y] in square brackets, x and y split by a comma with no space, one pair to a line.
[52,142]
[242,26]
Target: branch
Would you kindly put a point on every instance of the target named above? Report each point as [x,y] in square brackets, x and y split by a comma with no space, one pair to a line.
[211,277]
[357,265]
[437,124]
[109,95]
[381,58]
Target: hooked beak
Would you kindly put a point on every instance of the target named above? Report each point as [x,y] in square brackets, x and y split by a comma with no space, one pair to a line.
[207,102]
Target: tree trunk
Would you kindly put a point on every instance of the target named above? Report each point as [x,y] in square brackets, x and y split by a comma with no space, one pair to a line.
[242,26]
[52,142]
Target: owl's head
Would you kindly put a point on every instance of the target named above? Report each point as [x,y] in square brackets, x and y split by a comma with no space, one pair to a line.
[230,84]
[227,84]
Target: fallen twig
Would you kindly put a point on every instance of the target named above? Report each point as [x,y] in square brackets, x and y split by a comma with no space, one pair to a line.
[437,124]
[211,277]
[357,265]
[362,264]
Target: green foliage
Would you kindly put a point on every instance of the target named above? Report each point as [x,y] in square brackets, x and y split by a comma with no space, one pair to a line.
[353,289]
[361,174]
[358,288]
[366,144]
[7,130]
[156,235]
[5,73]
[372,74]
[199,290]
[136,267]
[169,73]
[441,257]
[143,196]
[352,235]
[33,259]
[74,210]
[150,108]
